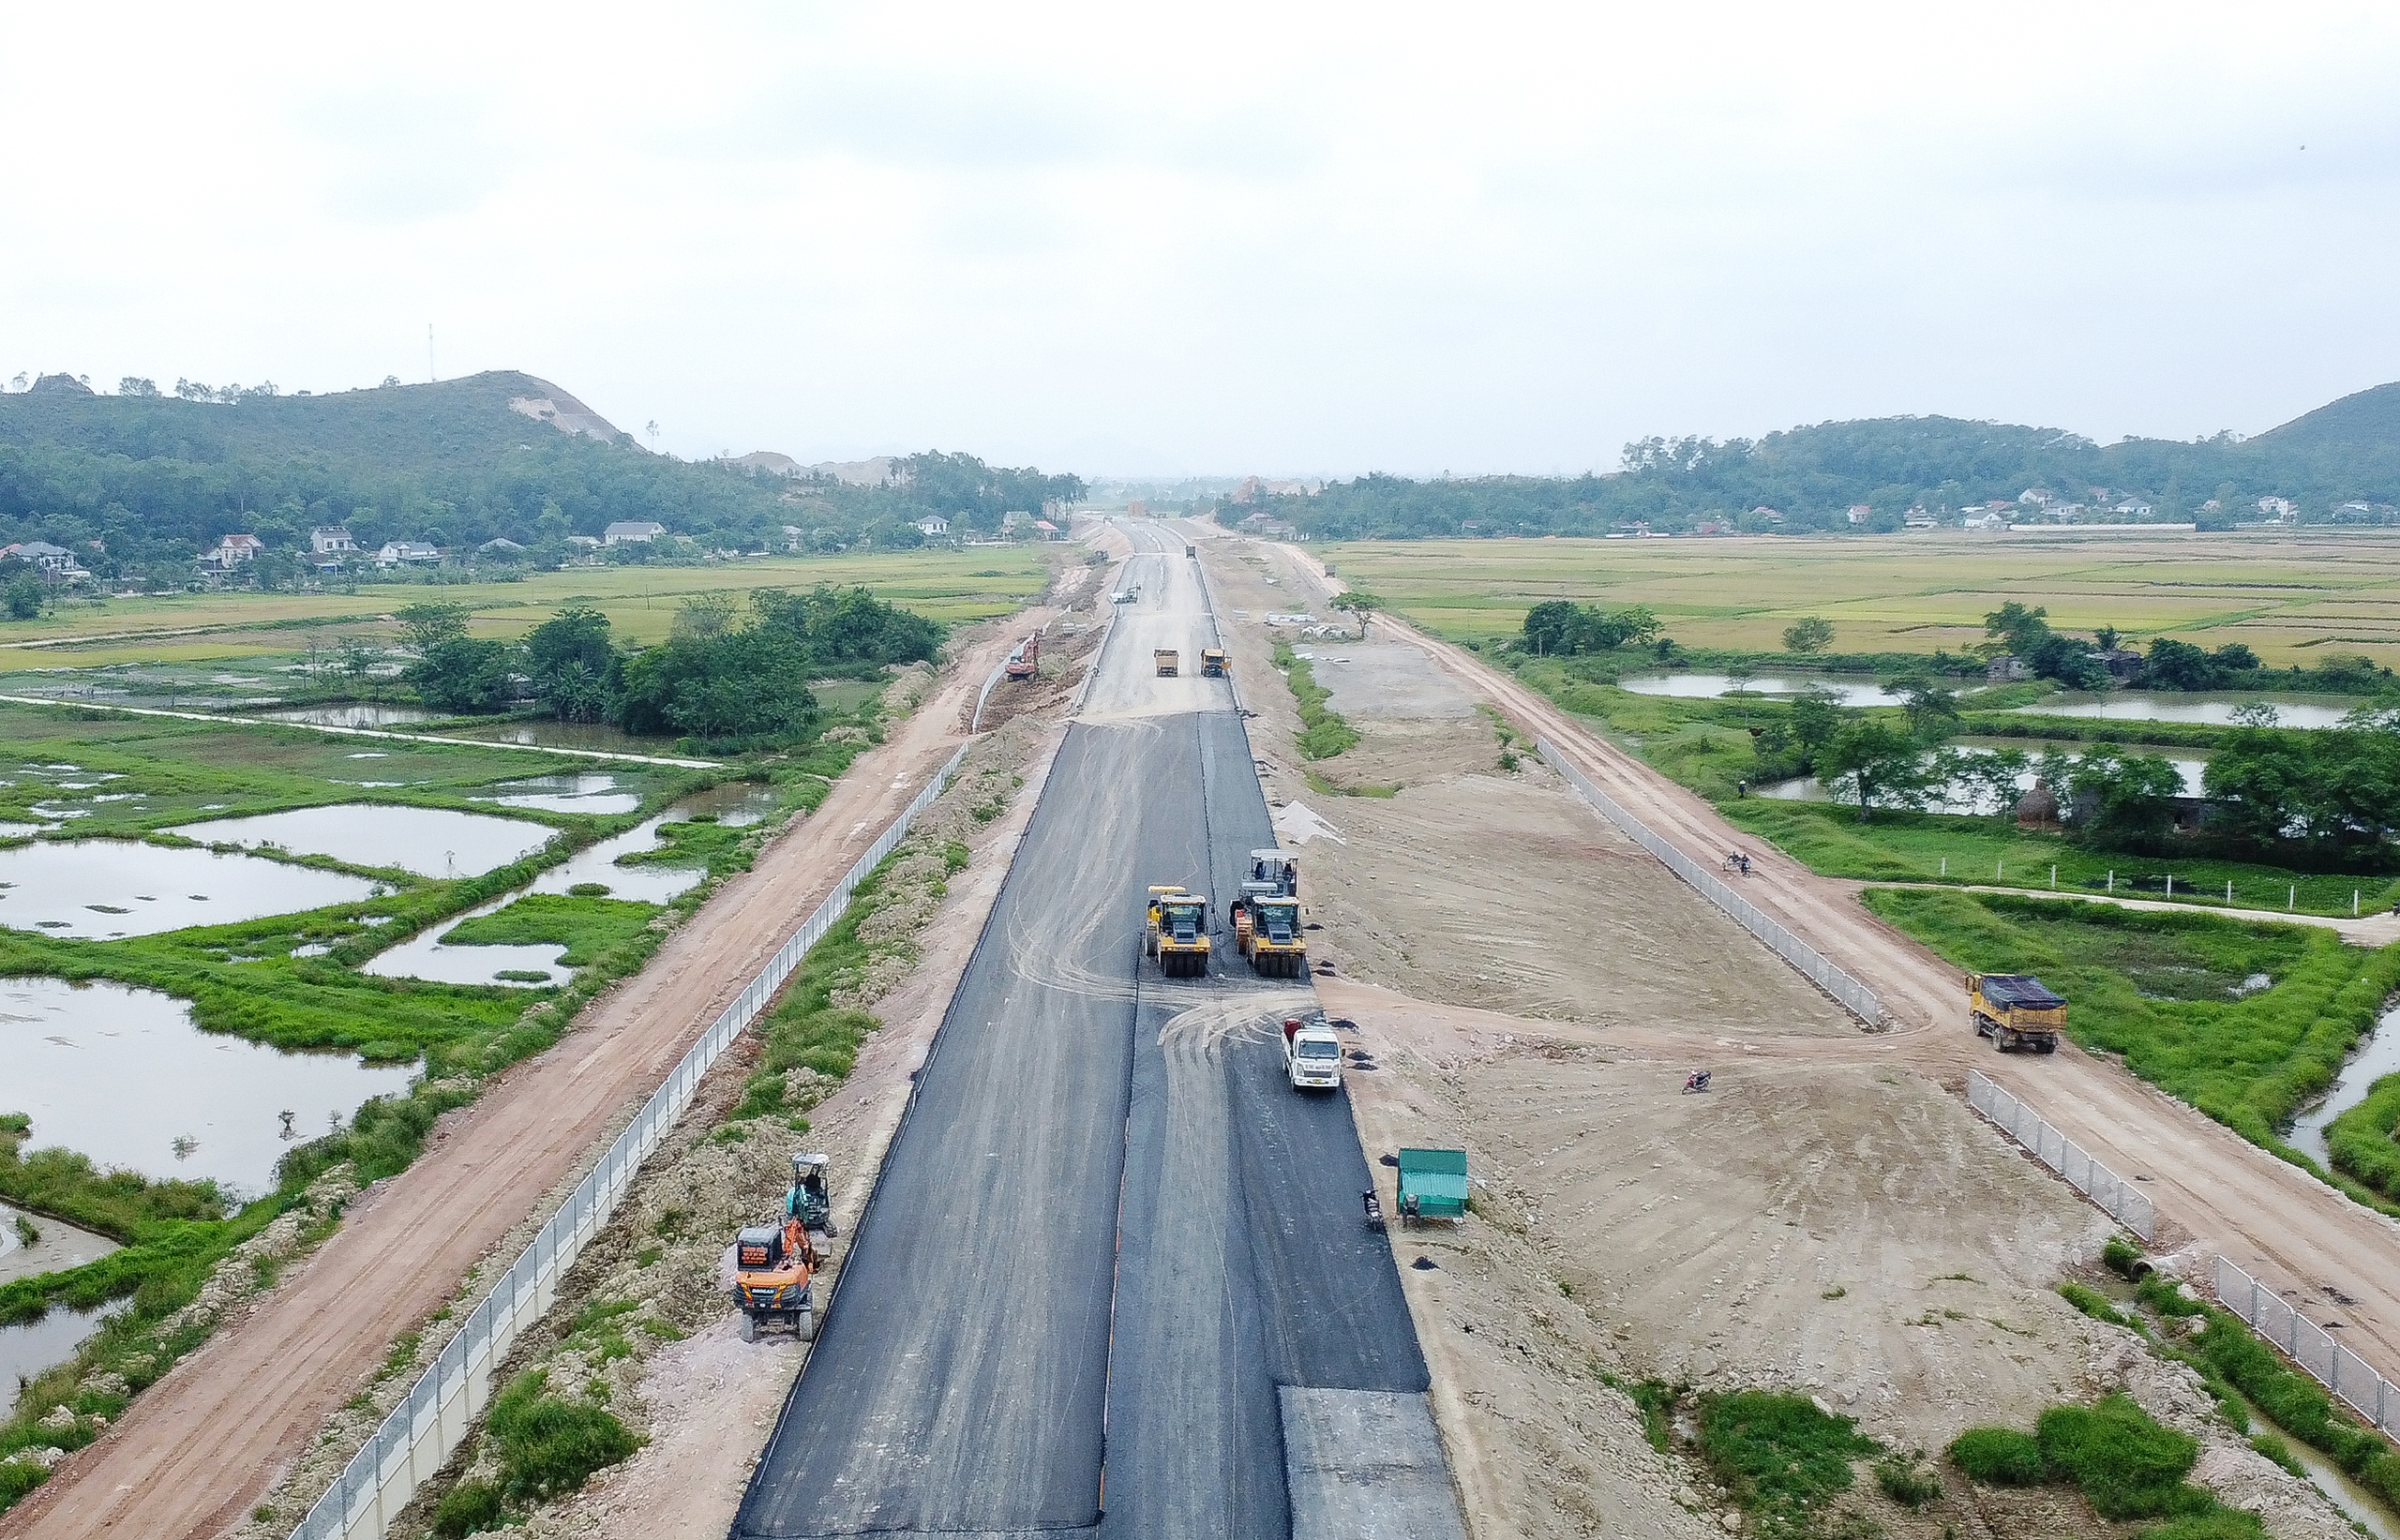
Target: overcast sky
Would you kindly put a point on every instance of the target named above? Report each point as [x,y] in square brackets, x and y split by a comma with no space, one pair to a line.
[1279,238]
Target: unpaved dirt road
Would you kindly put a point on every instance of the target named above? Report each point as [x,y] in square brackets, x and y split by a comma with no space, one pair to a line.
[194,1453]
[2210,1185]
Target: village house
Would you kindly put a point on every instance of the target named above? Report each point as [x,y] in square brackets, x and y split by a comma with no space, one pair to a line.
[631,531]
[1860,513]
[331,540]
[2008,668]
[56,564]
[934,527]
[2134,508]
[407,553]
[234,549]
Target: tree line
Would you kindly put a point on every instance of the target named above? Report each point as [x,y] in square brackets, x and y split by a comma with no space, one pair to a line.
[155,479]
[732,675]
[1811,476]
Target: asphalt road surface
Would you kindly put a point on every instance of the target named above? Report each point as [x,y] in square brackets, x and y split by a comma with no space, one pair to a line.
[1108,1232]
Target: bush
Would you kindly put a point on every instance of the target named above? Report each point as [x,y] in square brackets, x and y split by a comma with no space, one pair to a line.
[1906,1481]
[1780,1455]
[550,1446]
[1999,1457]
[470,1508]
[2277,1450]
[2120,1257]
[2092,1302]
[2128,1464]
[17,1478]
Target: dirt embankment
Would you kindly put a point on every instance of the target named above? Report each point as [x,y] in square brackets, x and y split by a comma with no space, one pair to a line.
[1531,987]
[705,1400]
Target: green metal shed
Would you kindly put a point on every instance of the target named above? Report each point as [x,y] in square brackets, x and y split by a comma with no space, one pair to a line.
[1433,1184]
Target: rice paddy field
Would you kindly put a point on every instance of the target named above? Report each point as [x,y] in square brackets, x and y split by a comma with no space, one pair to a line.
[2293,598]
[640,603]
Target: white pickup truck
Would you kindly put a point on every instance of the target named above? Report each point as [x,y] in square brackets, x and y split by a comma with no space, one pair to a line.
[1312,1055]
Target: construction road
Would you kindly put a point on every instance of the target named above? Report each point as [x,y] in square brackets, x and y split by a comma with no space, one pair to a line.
[2215,1193]
[1110,1246]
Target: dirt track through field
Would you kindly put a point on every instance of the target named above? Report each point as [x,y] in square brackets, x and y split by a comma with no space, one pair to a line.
[2210,1186]
[197,1450]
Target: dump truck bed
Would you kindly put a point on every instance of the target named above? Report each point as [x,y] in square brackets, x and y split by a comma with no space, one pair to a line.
[2018,991]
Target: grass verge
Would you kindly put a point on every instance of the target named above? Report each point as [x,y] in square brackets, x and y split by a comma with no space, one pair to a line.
[2158,988]
[1323,733]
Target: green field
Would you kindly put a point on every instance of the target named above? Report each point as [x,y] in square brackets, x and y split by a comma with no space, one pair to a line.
[2167,992]
[2293,599]
[640,604]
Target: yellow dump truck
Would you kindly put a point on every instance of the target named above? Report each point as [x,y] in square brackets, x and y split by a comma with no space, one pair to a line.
[1170,661]
[1176,931]
[1214,664]
[2016,1011]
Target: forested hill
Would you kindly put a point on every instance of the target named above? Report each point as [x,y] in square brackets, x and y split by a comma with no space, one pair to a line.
[2348,452]
[155,478]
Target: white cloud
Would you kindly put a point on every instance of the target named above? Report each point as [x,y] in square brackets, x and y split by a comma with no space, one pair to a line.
[1322,238]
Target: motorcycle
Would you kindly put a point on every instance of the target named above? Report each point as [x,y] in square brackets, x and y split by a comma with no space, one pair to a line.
[1696,1081]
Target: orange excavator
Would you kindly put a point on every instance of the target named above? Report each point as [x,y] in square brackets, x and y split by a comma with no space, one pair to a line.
[1025,662]
[774,1268]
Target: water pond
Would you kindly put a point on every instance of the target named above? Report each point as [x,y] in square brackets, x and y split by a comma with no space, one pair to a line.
[2144,706]
[544,733]
[1692,686]
[356,714]
[587,793]
[55,1247]
[37,1346]
[430,842]
[2376,1057]
[102,889]
[1963,795]
[425,956]
[123,1076]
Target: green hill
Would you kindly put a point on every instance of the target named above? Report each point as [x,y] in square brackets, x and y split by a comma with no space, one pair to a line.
[155,478]
[2367,422]
[1812,476]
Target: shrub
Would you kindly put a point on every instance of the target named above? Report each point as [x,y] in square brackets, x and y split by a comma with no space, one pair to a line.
[2128,1464]
[1780,1455]
[1999,1457]
[550,1446]
[17,1478]
[470,1508]
[1906,1481]
[2277,1450]
[2092,1302]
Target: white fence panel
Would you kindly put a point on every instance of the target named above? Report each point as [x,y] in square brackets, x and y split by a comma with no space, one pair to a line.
[433,1418]
[1848,991]
[2309,1345]
[2115,1195]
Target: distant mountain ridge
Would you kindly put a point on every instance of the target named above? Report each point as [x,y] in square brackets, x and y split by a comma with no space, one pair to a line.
[2337,464]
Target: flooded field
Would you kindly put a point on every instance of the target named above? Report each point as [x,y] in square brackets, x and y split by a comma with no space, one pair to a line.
[27,1350]
[568,734]
[55,1245]
[1693,686]
[2143,706]
[356,714]
[102,889]
[427,956]
[1963,795]
[123,1076]
[587,793]
[430,842]
[2377,1057]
